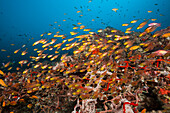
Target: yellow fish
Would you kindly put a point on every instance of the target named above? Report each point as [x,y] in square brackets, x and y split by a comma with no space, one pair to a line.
[125,24]
[134,47]
[73,33]
[3,83]
[86,29]
[1,72]
[134,21]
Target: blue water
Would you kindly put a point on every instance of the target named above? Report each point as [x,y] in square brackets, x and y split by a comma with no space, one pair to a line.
[23,21]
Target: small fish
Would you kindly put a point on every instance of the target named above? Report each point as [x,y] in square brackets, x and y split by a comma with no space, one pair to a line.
[150,29]
[78,11]
[45,45]
[114,9]
[3,83]
[3,50]
[37,42]
[37,65]
[155,24]
[142,24]
[58,35]
[63,56]
[100,30]
[143,111]
[127,31]
[70,39]
[79,23]
[119,51]
[42,35]
[142,34]
[113,31]
[161,52]
[124,37]
[33,96]
[157,34]
[7,64]
[134,21]
[149,11]
[73,33]
[134,47]
[54,57]
[117,57]
[23,62]
[23,46]
[35,49]
[29,105]
[75,27]
[125,24]
[49,56]
[86,29]
[13,103]
[58,45]
[2,73]
[109,35]
[153,19]
[24,52]
[16,51]
[82,27]
[166,35]
[53,41]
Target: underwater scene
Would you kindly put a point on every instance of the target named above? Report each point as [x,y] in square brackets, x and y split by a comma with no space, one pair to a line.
[84,56]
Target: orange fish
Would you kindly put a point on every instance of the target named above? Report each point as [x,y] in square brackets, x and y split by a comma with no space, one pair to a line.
[49,33]
[3,50]
[142,34]
[73,33]
[3,83]
[1,72]
[153,19]
[58,45]
[125,24]
[13,103]
[143,111]
[75,27]
[24,52]
[78,11]
[79,23]
[134,21]
[157,34]
[86,29]
[114,9]
[142,24]
[150,29]
[7,64]
[82,27]
[16,51]
[54,57]
[149,11]
[37,42]
[29,105]
[63,56]
[70,39]
[166,35]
